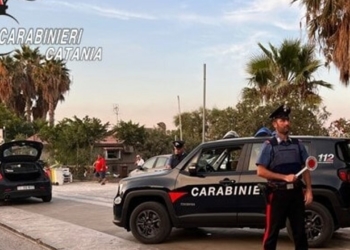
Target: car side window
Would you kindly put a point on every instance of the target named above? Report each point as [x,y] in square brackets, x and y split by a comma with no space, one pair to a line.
[221,159]
[254,156]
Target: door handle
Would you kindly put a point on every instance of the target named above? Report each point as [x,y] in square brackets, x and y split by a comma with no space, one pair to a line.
[227,182]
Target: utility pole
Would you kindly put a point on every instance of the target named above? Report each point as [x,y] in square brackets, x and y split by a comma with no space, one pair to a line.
[204,97]
[180,123]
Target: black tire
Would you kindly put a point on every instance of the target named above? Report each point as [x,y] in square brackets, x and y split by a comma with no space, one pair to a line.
[47,198]
[319,225]
[150,223]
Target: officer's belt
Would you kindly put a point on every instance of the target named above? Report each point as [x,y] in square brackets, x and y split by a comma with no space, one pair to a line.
[283,185]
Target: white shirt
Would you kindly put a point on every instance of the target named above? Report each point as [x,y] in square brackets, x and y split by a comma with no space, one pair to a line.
[140,162]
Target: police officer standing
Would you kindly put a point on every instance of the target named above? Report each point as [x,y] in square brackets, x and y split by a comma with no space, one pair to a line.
[280,159]
[179,154]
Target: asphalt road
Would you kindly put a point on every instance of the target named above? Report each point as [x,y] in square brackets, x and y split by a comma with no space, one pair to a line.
[90,205]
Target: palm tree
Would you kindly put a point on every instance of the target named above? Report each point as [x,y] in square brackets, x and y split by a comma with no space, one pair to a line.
[283,73]
[328,24]
[54,82]
[7,66]
[10,79]
[28,60]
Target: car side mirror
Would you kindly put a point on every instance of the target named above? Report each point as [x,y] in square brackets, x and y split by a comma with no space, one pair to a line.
[192,169]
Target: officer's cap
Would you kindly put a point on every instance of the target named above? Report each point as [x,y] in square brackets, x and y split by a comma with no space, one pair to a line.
[178,144]
[282,111]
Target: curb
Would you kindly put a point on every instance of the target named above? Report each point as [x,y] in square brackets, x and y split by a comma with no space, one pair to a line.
[55,234]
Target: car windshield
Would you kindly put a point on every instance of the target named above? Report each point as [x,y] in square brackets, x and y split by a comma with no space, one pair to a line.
[149,163]
[20,150]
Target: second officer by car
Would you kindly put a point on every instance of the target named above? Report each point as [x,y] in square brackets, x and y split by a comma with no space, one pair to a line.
[179,154]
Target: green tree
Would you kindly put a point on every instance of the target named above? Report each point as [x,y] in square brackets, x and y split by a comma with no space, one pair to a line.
[27,60]
[340,128]
[53,81]
[305,119]
[156,142]
[32,86]
[14,125]
[10,81]
[70,139]
[192,125]
[327,23]
[220,122]
[284,72]
[132,133]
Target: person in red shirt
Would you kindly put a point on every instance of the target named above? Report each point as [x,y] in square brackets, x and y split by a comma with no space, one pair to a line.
[101,168]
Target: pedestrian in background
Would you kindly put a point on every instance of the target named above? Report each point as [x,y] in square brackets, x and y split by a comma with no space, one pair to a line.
[139,161]
[100,169]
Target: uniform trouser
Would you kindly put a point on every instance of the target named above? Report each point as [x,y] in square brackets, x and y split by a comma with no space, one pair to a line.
[283,204]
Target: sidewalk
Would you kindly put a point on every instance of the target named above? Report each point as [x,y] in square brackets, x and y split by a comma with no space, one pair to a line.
[61,235]
[57,234]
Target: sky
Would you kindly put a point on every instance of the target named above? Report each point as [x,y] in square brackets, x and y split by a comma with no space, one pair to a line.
[154,51]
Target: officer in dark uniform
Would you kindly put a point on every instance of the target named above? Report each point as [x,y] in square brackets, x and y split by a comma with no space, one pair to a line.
[179,154]
[280,159]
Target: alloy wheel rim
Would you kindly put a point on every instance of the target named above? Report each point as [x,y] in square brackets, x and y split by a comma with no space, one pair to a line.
[148,223]
[313,225]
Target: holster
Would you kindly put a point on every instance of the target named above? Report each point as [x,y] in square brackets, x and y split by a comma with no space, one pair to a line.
[264,191]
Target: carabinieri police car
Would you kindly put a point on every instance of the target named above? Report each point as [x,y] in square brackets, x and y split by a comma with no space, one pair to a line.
[216,185]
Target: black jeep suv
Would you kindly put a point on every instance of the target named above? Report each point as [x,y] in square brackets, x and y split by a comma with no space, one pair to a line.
[216,185]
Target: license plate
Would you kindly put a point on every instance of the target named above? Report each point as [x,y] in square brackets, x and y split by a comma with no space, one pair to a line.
[25,187]
[290,186]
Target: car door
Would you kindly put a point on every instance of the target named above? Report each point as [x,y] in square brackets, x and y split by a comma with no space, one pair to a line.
[209,198]
[251,208]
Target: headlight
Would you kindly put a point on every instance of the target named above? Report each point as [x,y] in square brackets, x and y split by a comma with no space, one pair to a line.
[117,200]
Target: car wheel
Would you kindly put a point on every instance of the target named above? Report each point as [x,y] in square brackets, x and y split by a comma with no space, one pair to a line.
[150,223]
[319,225]
[47,198]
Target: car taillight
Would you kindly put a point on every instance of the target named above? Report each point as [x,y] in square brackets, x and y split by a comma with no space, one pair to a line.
[47,174]
[344,174]
[1,177]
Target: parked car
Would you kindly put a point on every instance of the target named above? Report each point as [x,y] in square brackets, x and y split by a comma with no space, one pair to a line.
[216,185]
[153,164]
[21,173]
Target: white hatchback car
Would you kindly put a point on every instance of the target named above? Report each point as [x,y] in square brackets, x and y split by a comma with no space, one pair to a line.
[153,164]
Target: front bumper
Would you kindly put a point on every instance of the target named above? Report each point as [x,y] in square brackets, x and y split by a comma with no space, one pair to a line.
[118,212]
